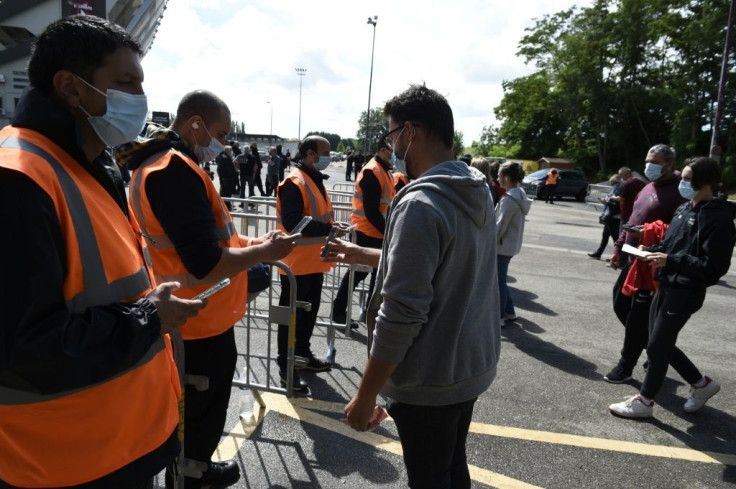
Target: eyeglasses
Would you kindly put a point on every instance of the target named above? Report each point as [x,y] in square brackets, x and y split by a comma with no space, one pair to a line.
[389,140]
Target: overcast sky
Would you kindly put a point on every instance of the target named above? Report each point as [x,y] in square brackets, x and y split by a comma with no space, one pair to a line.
[246,52]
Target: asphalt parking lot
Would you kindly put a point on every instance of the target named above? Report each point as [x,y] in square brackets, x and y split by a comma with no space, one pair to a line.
[544,422]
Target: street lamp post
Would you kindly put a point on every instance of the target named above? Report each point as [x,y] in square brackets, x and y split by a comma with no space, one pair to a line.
[301,73]
[270,134]
[372,22]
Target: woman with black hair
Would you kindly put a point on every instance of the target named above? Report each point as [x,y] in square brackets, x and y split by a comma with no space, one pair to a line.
[693,255]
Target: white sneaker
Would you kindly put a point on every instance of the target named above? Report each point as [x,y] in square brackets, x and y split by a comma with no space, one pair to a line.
[632,407]
[511,317]
[699,396]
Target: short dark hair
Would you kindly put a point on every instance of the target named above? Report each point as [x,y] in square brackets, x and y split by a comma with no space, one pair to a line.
[706,171]
[495,165]
[202,103]
[78,44]
[427,108]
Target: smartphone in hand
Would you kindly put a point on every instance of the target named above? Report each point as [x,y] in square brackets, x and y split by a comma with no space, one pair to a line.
[215,288]
[330,239]
[302,224]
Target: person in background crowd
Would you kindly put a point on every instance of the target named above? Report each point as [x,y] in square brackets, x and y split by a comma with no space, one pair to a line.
[438,295]
[88,389]
[512,210]
[467,159]
[192,238]
[272,172]
[282,164]
[358,164]
[247,171]
[303,193]
[657,201]
[349,167]
[495,165]
[550,186]
[227,174]
[694,254]
[374,191]
[626,194]
[259,167]
[610,218]
[483,165]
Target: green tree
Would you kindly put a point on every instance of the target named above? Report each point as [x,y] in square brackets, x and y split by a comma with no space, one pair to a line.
[334,139]
[378,127]
[458,146]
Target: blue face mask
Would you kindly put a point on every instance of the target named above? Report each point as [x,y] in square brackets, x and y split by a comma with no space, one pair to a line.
[399,165]
[324,162]
[653,171]
[686,190]
[209,152]
[124,118]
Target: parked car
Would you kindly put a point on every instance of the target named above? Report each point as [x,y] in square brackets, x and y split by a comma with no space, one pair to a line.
[571,183]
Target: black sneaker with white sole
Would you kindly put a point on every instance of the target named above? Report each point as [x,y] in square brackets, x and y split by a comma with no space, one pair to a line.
[298,383]
[618,375]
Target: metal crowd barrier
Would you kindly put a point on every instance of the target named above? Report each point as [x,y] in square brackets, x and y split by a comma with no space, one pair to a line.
[595,193]
[344,187]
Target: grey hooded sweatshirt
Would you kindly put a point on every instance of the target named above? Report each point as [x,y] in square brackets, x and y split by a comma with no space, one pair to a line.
[511,213]
[439,315]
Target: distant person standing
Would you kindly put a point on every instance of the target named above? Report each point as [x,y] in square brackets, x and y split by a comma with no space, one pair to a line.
[282,162]
[259,167]
[626,194]
[358,164]
[550,186]
[247,169]
[272,172]
[349,167]
[227,174]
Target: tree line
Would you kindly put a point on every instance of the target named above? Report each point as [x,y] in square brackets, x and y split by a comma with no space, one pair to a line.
[614,79]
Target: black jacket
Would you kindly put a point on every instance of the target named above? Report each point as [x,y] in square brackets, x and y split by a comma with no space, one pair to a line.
[698,243]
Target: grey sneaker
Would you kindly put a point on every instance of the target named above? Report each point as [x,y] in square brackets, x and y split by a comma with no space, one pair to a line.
[699,396]
[617,375]
[632,407]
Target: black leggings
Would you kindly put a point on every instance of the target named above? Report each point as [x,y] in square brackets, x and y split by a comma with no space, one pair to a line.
[671,308]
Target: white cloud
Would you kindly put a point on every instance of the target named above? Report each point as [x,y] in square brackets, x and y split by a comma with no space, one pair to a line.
[246,53]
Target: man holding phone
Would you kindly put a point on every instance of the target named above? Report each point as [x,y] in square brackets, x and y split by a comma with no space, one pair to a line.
[303,193]
[192,239]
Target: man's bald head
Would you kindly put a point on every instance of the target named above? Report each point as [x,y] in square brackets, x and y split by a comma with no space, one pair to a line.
[203,103]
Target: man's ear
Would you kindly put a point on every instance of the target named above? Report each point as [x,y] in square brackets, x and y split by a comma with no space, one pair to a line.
[67,87]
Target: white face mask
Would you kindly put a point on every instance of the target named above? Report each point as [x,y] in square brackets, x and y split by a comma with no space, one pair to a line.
[209,152]
[400,163]
[124,118]
[653,171]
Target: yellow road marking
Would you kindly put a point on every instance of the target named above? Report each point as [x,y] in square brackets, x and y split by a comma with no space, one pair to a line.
[663,451]
[233,442]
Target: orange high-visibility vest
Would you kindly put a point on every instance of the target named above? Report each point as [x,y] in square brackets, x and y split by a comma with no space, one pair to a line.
[552,178]
[400,178]
[69,438]
[227,306]
[388,191]
[304,258]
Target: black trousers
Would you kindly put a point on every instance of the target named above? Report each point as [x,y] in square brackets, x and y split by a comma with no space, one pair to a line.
[259,183]
[227,189]
[205,411]
[433,440]
[308,289]
[549,193]
[611,228]
[636,329]
[341,299]
[348,171]
[671,308]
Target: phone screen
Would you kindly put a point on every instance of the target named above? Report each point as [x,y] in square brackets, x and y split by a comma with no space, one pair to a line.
[302,224]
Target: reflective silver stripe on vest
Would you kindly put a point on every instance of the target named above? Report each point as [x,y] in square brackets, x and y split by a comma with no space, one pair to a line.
[10,397]
[313,208]
[161,241]
[96,289]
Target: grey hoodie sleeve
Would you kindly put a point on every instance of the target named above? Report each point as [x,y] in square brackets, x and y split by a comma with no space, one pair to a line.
[412,256]
[506,211]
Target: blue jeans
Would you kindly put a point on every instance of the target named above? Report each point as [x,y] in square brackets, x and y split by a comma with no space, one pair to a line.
[507,301]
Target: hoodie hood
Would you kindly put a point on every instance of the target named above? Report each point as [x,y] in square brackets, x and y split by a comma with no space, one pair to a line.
[464,186]
[518,194]
[156,140]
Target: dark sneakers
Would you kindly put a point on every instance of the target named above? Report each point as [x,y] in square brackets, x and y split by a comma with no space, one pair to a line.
[618,375]
[315,365]
[595,256]
[219,474]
